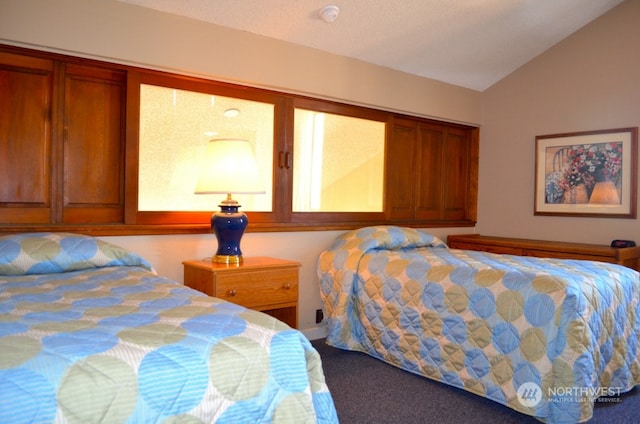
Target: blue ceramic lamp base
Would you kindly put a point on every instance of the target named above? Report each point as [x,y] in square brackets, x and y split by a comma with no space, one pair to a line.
[228,225]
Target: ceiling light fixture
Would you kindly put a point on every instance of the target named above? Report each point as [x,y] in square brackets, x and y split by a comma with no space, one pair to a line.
[329,13]
[231,113]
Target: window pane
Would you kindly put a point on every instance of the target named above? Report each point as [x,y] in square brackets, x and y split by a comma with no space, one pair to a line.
[175,128]
[338,163]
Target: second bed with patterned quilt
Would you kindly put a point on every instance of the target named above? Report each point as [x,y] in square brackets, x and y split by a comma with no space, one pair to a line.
[545,337]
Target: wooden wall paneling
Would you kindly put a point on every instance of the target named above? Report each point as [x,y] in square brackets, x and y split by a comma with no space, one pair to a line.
[132,142]
[400,163]
[455,164]
[472,187]
[25,138]
[429,177]
[67,150]
[430,168]
[93,145]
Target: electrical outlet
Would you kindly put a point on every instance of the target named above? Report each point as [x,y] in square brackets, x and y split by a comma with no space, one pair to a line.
[319,316]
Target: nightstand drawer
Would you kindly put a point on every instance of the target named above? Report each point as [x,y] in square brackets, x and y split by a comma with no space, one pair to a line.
[260,288]
[265,284]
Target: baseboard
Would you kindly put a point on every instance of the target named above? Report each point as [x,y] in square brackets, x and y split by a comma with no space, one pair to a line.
[315,333]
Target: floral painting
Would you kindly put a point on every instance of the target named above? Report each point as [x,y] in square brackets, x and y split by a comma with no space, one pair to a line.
[584,165]
[591,173]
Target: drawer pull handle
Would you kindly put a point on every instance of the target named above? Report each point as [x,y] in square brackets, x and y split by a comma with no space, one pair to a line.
[231,292]
[287,286]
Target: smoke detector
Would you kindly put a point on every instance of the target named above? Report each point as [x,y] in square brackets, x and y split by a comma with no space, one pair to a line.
[329,13]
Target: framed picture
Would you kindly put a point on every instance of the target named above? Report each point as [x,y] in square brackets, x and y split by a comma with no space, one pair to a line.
[591,174]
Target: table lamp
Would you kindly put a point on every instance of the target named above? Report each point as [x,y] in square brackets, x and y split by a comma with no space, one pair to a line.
[229,167]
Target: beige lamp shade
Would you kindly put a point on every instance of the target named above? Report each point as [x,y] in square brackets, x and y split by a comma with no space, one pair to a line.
[229,166]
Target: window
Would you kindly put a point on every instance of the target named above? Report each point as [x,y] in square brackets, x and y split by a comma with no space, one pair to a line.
[171,121]
[338,163]
[328,168]
[175,127]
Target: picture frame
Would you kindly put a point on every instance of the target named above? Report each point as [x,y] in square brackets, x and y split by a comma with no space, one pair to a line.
[587,174]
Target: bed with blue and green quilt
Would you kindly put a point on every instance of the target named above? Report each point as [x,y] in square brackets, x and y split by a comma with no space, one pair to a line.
[90,333]
[545,337]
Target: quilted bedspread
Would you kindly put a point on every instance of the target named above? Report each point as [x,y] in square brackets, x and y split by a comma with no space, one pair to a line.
[89,333]
[545,337]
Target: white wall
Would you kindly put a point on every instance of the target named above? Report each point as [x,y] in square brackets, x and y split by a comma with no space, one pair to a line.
[118,32]
[589,81]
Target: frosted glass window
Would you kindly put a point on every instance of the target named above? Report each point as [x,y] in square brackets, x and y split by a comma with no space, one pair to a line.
[338,163]
[175,127]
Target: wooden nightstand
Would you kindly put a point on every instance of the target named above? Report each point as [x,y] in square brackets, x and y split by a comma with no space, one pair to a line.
[265,284]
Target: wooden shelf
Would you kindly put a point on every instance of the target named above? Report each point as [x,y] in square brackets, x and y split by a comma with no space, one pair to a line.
[627,256]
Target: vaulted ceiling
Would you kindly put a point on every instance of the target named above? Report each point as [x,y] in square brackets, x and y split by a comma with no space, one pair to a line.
[470,43]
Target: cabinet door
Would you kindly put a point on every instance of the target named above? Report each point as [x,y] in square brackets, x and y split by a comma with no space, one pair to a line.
[93,145]
[25,139]
[429,177]
[429,170]
[443,172]
[455,173]
[400,160]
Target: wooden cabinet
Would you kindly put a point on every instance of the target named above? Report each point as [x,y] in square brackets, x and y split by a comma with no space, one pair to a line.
[265,284]
[70,154]
[628,256]
[93,136]
[432,172]
[26,164]
[61,142]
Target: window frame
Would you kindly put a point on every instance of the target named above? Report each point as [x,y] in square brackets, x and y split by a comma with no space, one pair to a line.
[282,216]
[317,218]
[133,216]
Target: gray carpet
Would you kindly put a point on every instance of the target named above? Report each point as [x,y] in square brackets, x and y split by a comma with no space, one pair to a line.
[366,390]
